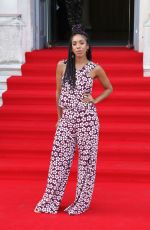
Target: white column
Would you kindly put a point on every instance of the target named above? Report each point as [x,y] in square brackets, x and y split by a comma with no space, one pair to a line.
[141,11]
[25,9]
[146,53]
[16,35]
[136,24]
[11,55]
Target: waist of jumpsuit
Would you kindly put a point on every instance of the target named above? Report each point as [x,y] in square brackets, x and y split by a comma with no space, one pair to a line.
[87,106]
[77,106]
[73,101]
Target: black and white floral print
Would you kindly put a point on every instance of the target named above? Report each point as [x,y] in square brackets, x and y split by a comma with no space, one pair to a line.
[71,98]
[79,125]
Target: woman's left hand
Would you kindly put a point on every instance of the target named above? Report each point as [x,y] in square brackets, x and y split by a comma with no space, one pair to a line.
[88,98]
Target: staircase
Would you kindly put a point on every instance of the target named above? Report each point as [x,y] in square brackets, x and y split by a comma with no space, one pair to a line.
[28,117]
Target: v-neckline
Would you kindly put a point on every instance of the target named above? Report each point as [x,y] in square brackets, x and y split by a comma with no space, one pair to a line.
[83,66]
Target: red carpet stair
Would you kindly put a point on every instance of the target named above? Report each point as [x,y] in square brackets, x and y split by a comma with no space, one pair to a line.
[28,117]
[27,127]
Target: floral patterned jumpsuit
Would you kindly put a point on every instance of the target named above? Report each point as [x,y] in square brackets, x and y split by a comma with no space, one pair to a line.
[79,125]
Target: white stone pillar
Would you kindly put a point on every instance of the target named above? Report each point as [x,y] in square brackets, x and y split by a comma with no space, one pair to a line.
[25,9]
[16,35]
[11,27]
[141,11]
[146,53]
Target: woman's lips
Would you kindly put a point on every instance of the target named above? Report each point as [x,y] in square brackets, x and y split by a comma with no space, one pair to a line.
[79,51]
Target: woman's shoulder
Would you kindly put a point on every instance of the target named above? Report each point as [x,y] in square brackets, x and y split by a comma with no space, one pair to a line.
[62,62]
[96,65]
[97,68]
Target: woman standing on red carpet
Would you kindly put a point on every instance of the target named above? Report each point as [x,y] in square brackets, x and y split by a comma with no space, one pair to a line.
[78,124]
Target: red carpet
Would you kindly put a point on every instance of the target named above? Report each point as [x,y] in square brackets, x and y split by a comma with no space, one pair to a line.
[121,198]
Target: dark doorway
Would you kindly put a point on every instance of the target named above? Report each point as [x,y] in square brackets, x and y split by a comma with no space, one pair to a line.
[60,29]
[112,21]
[107,22]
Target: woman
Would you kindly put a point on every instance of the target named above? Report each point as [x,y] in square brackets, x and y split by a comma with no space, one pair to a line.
[78,124]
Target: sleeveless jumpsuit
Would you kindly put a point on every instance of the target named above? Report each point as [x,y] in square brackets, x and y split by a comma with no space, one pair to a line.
[79,125]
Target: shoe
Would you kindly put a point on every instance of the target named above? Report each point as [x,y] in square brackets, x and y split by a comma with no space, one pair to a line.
[67,209]
[36,211]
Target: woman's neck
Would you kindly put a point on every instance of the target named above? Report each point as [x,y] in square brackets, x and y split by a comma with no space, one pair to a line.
[81,61]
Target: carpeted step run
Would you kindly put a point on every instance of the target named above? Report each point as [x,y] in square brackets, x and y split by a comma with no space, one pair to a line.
[28,116]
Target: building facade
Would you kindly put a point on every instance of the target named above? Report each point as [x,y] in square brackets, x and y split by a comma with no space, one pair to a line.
[26,25]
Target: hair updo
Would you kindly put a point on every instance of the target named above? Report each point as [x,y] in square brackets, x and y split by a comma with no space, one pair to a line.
[79,29]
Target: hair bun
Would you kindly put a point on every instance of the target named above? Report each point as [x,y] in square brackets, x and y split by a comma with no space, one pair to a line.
[78,29]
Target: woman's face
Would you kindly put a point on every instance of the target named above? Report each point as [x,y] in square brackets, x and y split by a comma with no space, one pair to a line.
[79,45]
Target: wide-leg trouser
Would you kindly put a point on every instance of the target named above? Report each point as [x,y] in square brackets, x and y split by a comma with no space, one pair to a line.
[75,128]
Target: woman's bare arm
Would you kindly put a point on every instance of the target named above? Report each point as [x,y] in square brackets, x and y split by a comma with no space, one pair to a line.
[59,73]
[102,77]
